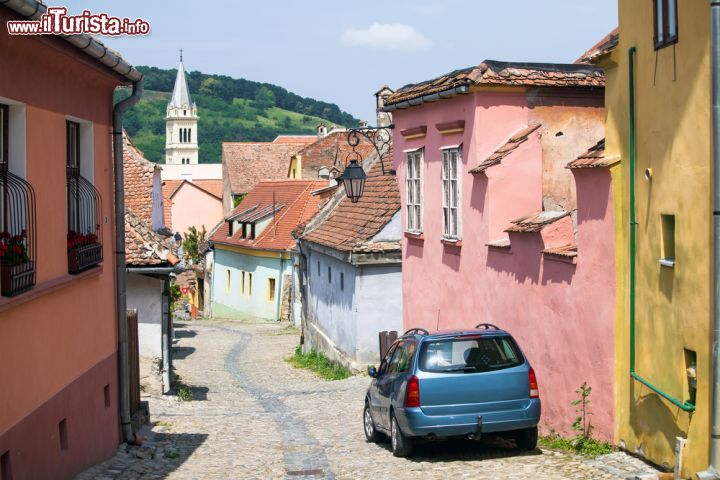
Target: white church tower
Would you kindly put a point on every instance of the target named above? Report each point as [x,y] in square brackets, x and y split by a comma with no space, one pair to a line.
[181,147]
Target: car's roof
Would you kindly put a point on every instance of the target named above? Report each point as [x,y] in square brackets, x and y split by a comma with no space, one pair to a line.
[443,334]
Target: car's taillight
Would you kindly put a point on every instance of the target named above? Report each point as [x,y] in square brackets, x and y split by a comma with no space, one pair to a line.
[412,397]
[532,379]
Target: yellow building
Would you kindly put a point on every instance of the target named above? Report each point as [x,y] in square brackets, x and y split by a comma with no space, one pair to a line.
[658,73]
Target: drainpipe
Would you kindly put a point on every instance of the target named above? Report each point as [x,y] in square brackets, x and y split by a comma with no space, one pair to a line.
[712,470]
[165,332]
[123,367]
[688,407]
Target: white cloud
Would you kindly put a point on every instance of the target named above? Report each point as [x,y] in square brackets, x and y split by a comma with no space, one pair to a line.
[394,36]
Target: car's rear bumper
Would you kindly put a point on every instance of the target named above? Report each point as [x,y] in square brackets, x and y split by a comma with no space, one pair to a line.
[414,422]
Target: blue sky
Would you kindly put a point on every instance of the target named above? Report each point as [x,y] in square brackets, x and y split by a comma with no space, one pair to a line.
[342,52]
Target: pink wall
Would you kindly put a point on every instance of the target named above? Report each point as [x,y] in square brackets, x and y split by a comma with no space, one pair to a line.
[560,312]
[195,207]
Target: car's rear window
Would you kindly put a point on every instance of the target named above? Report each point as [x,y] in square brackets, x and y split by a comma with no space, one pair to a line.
[470,354]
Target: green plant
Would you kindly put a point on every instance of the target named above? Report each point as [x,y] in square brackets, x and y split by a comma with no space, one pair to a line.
[175,295]
[171,454]
[191,243]
[582,443]
[319,363]
[582,423]
[182,391]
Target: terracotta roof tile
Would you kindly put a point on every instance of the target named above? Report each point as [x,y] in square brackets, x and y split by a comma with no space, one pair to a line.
[494,73]
[138,172]
[536,222]
[247,163]
[329,151]
[506,149]
[499,243]
[568,251]
[300,206]
[351,226]
[213,187]
[295,139]
[594,158]
[608,43]
[144,247]
[168,189]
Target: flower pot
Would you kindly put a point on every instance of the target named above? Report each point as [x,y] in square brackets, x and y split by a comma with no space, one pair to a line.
[85,256]
[15,279]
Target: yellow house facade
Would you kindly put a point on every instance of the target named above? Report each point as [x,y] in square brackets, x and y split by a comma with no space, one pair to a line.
[658,99]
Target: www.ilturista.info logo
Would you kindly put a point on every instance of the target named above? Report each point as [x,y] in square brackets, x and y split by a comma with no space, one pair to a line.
[57,22]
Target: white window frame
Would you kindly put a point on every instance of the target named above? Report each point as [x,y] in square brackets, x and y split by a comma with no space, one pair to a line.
[414,186]
[452,192]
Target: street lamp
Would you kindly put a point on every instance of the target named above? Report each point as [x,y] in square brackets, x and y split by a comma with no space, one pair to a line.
[353,178]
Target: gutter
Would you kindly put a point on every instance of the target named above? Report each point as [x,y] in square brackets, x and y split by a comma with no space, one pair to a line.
[154,270]
[34,10]
[685,406]
[433,97]
[123,366]
[712,470]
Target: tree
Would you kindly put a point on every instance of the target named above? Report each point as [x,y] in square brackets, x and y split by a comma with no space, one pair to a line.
[211,87]
[191,244]
[264,98]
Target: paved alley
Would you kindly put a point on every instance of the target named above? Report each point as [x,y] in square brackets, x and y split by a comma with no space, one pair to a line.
[255,416]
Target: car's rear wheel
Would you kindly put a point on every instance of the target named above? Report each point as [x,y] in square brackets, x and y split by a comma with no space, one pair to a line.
[527,438]
[401,445]
[371,434]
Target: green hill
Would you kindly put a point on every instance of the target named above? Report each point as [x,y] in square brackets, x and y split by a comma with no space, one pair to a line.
[230,110]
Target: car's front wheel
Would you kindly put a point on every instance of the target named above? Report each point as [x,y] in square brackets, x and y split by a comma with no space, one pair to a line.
[401,445]
[371,434]
[527,438]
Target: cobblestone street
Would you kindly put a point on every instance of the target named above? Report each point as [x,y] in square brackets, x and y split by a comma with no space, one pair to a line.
[255,416]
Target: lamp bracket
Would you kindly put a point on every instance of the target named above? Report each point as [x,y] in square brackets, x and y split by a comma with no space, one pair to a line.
[379,137]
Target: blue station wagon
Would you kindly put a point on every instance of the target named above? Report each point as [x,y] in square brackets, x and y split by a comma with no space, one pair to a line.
[452,384]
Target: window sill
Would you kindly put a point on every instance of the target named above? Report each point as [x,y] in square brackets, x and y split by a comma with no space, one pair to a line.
[665,43]
[452,242]
[667,262]
[415,236]
[49,286]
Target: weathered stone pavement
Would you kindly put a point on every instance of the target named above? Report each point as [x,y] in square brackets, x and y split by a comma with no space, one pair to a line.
[255,416]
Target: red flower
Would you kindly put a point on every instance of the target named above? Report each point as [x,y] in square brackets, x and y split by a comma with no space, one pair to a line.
[3,249]
[16,249]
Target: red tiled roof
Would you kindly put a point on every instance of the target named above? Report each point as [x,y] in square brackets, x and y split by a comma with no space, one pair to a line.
[213,187]
[329,151]
[168,188]
[535,222]
[295,139]
[138,172]
[608,43]
[143,247]
[301,206]
[593,158]
[513,142]
[494,73]
[351,226]
[246,163]
[568,251]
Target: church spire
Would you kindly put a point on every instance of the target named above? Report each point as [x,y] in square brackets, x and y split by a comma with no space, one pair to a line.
[181,93]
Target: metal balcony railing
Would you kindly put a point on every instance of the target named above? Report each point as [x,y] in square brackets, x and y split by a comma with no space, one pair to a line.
[17,233]
[84,212]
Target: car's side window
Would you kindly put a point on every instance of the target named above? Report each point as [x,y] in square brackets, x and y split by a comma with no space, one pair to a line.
[406,355]
[399,352]
[386,361]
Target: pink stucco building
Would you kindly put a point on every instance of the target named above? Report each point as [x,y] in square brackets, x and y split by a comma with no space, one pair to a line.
[500,229]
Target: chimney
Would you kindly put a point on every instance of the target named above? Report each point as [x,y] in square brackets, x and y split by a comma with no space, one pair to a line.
[383,118]
[321,130]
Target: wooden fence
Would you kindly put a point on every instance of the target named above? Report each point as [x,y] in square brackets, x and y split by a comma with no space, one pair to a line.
[133,360]
[386,340]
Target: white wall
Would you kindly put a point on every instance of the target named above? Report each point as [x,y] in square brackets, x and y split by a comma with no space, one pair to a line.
[145,295]
[351,318]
